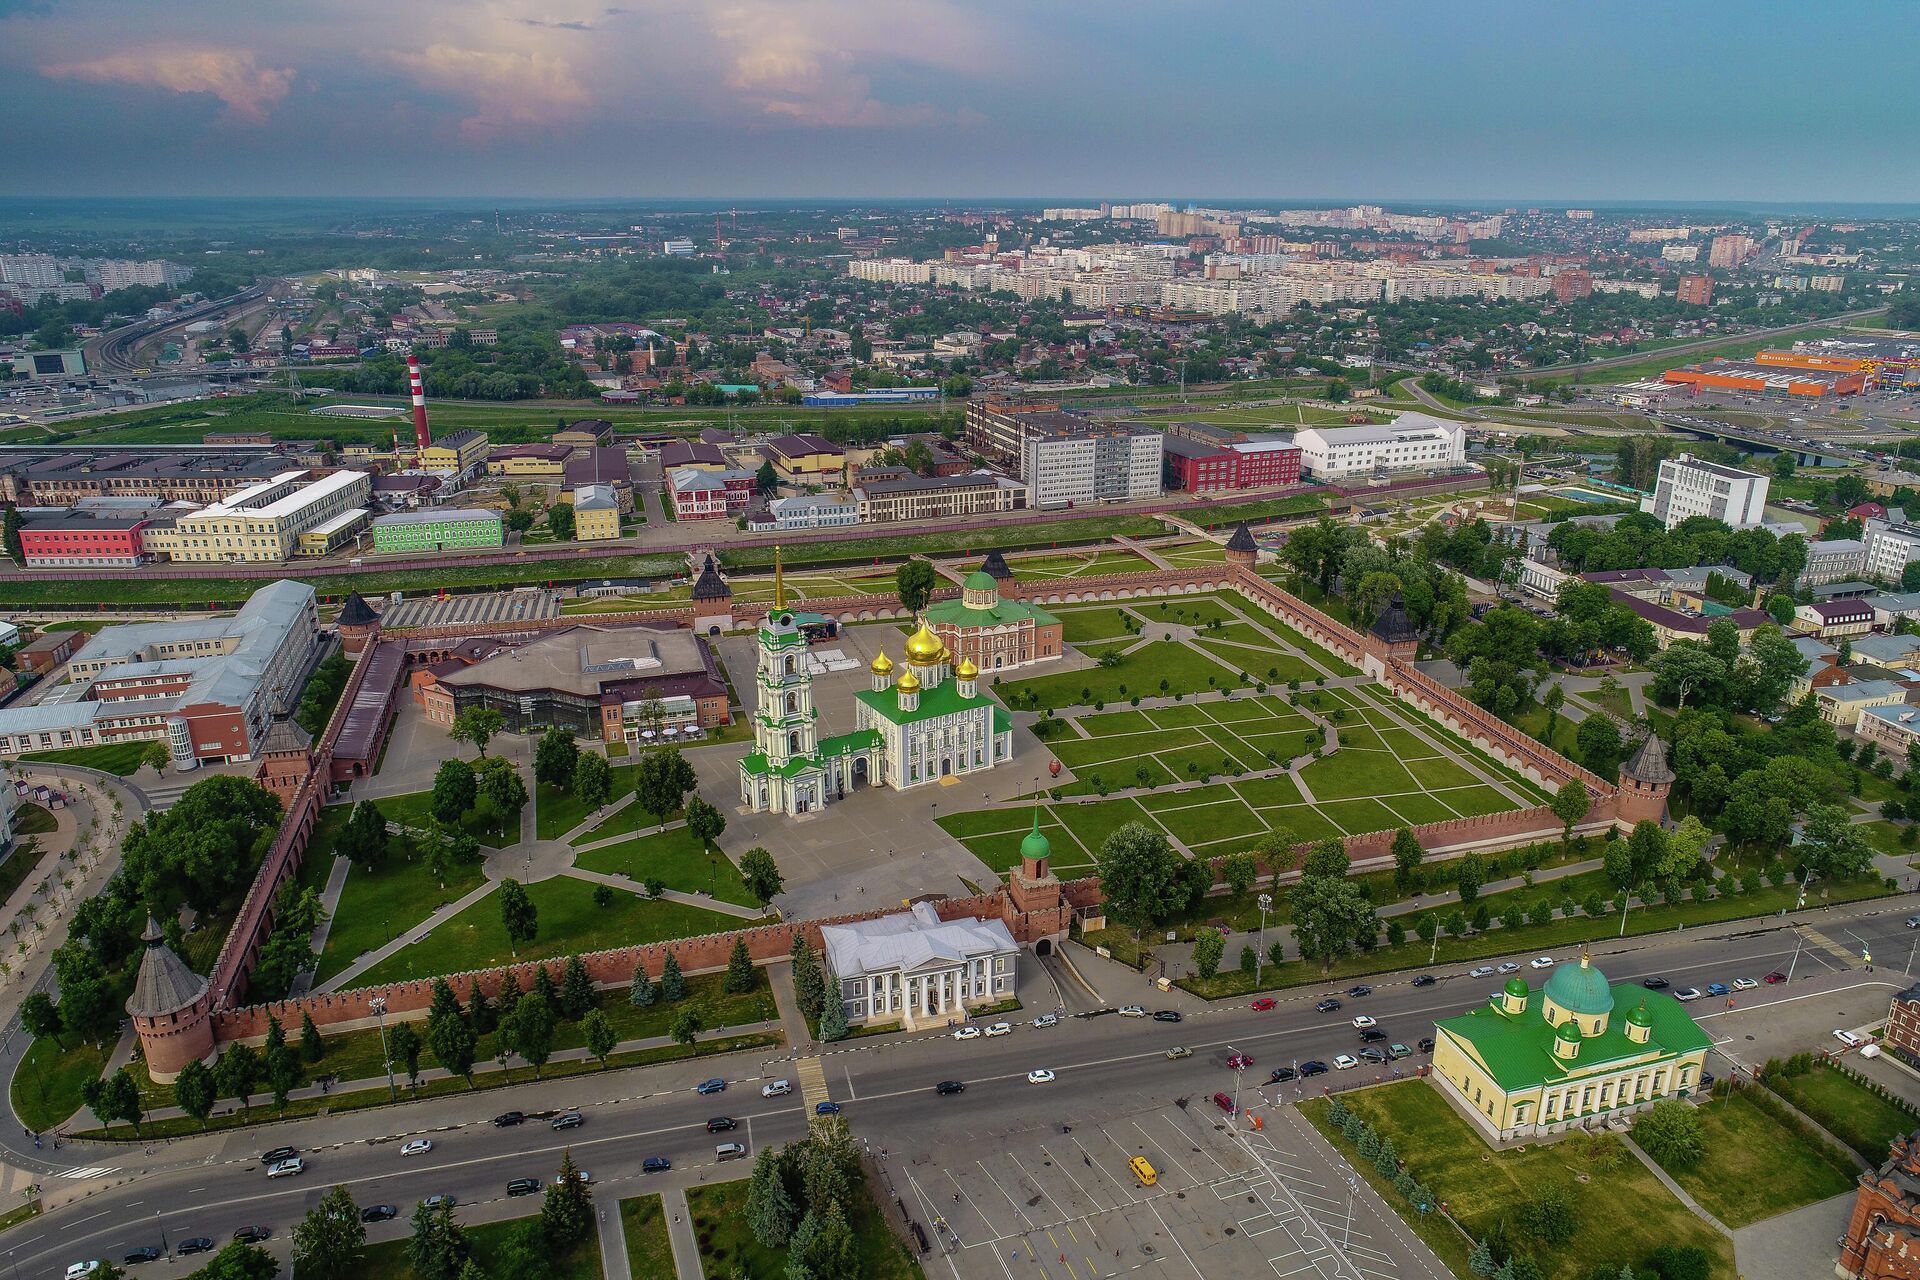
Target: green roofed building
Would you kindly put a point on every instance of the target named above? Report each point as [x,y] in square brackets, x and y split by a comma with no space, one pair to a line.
[992,633]
[1529,1063]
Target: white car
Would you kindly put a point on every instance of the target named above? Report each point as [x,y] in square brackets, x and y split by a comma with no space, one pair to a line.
[1047,1020]
[1685,994]
[1849,1039]
[1363,1021]
[1508,966]
[1540,962]
[966,1033]
[1345,1061]
[287,1168]
[418,1147]
[1132,1011]
[1744,984]
[79,1269]
[1000,1029]
[778,1089]
[1041,1076]
[582,1175]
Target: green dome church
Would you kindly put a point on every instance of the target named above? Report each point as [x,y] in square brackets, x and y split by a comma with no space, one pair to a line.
[1533,1063]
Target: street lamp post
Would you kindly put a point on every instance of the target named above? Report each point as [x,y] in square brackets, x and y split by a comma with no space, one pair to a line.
[1233,1053]
[379,1006]
[1265,901]
[1798,942]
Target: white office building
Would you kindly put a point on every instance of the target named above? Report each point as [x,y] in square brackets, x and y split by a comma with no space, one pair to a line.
[1688,487]
[1412,442]
[914,966]
[1891,546]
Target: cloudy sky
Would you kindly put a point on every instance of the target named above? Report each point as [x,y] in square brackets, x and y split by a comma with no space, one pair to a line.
[1468,99]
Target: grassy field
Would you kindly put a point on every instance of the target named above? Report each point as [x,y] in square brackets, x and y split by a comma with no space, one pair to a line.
[377,906]
[1078,564]
[1623,1212]
[46,1088]
[1756,1166]
[727,1246]
[558,812]
[1214,516]
[959,542]
[569,922]
[649,1253]
[122,758]
[388,1260]
[1847,1109]
[676,859]
[415,810]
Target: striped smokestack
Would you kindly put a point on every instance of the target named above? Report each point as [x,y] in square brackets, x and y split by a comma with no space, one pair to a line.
[421,437]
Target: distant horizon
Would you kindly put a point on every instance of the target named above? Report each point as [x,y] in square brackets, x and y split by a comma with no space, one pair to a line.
[586,98]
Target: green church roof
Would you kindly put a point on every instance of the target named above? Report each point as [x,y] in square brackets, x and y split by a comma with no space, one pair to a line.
[978,581]
[1639,1016]
[1036,845]
[1580,988]
[956,612]
[1518,1048]
[1518,987]
[944,699]
[1567,1031]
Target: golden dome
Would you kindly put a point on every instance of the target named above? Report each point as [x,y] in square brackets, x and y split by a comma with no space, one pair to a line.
[966,670]
[908,683]
[924,647]
[881,665]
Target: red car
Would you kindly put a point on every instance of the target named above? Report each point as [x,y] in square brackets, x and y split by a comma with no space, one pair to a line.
[1263,1004]
[1223,1102]
[1240,1061]
[1775,978]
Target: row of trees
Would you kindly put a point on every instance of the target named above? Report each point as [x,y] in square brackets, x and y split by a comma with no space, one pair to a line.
[802,1198]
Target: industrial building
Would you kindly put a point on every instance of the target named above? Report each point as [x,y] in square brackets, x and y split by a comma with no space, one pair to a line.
[89,538]
[442,529]
[269,521]
[464,453]
[209,688]
[544,462]
[1768,379]
[1412,442]
[59,478]
[1194,466]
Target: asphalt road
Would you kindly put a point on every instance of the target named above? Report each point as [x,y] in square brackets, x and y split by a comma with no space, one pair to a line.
[212,1185]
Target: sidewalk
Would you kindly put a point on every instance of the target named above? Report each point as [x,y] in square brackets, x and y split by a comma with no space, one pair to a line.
[613,1241]
[780,977]
[686,1251]
[626,885]
[343,980]
[1679,1192]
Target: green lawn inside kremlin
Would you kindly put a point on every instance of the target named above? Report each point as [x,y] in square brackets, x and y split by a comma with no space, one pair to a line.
[675,858]
[1623,1212]
[121,758]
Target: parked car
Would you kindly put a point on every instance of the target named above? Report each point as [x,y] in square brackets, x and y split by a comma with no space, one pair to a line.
[950,1086]
[777,1089]
[1685,994]
[998,1029]
[966,1033]
[1373,1055]
[1744,984]
[145,1253]
[1372,1035]
[1426,1044]
[1481,971]
[1344,1061]
[1179,1051]
[508,1119]
[1040,1075]
[1046,1020]
[730,1151]
[1508,966]
[1540,962]
[193,1244]
[1362,990]
[1654,984]
[1263,1004]
[1397,1051]
[722,1124]
[827,1108]
[1329,1005]
[380,1213]
[569,1120]
[1312,1067]
[417,1147]
[1166,1015]
[286,1168]
[440,1201]
[1913,922]
[1132,1011]
[278,1154]
[715,1085]
[78,1269]
[1850,1039]
[1224,1102]
[580,1176]
[524,1187]
[253,1235]
[1718,989]
[1424,980]
[1774,978]
[1280,1075]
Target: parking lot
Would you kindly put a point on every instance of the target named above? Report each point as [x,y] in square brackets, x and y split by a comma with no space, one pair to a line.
[1060,1201]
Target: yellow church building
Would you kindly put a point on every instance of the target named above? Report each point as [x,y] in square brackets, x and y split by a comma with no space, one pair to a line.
[1530,1063]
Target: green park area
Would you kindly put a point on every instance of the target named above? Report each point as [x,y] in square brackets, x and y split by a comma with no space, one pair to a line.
[1864,1116]
[1588,1201]
[490,1248]
[122,758]
[570,921]
[728,1247]
[676,859]
[1755,1159]
[1077,564]
[643,1222]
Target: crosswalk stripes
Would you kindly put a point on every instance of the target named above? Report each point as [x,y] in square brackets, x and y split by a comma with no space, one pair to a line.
[89,1171]
[813,1081]
[1834,948]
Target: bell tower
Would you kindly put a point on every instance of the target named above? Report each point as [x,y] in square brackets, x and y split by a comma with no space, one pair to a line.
[783,723]
[1035,908]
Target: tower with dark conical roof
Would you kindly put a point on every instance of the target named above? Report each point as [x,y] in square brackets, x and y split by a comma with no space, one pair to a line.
[712,601]
[995,566]
[1394,629]
[357,624]
[1645,781]
[171,1009]
[1241,548]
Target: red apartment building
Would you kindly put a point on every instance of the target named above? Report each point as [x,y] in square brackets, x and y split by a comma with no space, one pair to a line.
[82,539]
[1191,466]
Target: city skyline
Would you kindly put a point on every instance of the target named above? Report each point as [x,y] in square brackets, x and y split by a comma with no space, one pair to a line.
[825,98]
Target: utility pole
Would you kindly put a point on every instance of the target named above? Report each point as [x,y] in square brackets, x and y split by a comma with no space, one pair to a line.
[1265,901]
[379,1006]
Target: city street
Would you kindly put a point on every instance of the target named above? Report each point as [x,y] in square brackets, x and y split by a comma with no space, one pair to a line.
[1113,1082]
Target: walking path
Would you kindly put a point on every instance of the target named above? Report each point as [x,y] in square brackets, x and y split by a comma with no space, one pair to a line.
[686,1250]
[792,1020]
[706,901]
[1679,1192]
[1145,552]
[613,1244]
[343,981]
